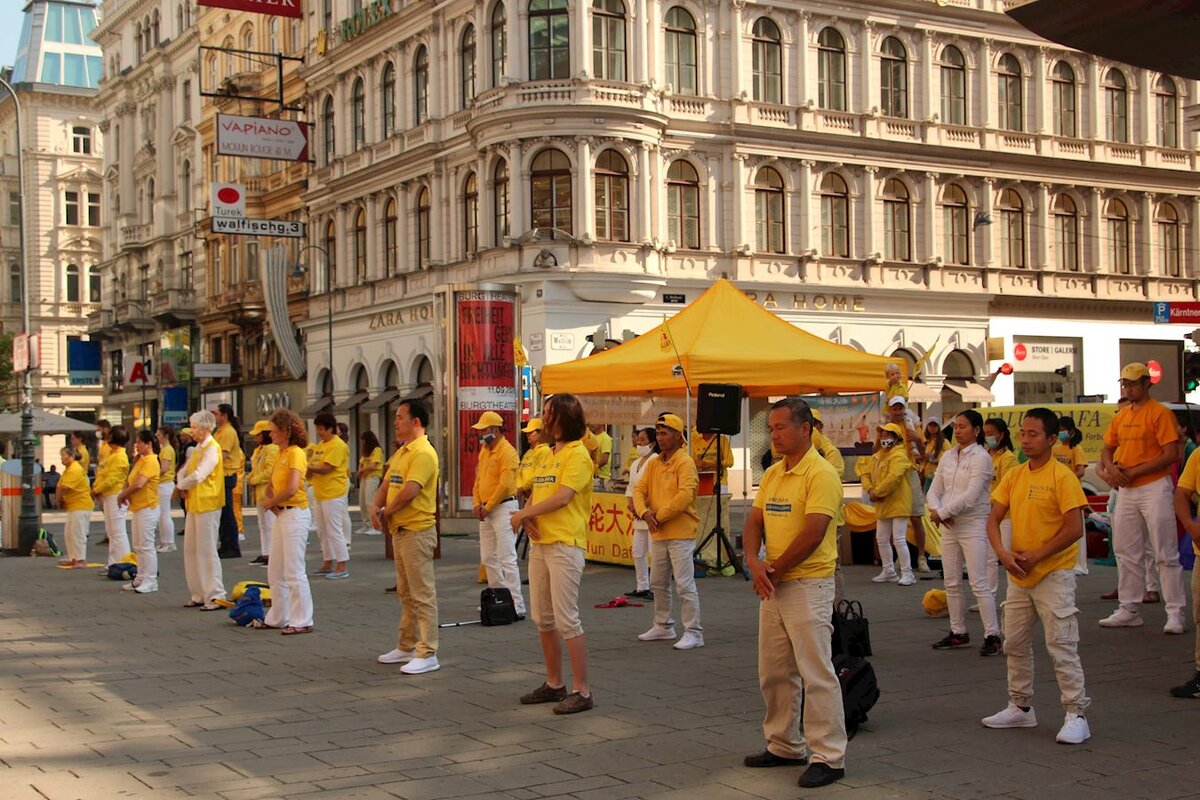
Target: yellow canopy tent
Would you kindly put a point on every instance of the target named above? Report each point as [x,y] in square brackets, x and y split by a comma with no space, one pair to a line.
[722,337]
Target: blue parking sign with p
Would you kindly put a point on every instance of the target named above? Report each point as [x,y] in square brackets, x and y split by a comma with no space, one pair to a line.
[1162,313]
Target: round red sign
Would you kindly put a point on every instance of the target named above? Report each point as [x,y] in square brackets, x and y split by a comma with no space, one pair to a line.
[228,195]
[1155,371]
[1019,351]
[1006,368]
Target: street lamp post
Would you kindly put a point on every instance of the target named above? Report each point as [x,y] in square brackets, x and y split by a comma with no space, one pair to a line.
[27,519]
[328,292]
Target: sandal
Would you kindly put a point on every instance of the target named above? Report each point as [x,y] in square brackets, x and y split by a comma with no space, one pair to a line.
[292,630]
[193,604]
[259,625]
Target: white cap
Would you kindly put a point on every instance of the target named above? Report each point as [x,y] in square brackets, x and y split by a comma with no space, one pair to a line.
[898,400]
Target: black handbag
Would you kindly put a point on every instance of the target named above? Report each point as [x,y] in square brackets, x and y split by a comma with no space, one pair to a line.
[496,607]
[851,630]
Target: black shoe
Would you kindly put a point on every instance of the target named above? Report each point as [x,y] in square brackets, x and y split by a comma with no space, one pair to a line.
[520,617]
[103,541]
[952,640]
[1191,689]
[634,593]
[229,554]
[992,646]
[390,590]
[644,594]
[260,560]
[768,759]
[820,774]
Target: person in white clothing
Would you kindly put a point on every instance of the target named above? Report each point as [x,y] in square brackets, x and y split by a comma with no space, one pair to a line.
[494,503]
[168,449]
[647,448]
[141,496]
[959,502]
[201,485]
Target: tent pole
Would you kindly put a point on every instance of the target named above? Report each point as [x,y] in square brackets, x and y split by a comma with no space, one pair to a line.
[746,465]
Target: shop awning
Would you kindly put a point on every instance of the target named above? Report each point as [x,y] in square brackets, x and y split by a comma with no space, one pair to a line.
[380,400]
[920,393]
[323,404]
[972,392]
[352,402]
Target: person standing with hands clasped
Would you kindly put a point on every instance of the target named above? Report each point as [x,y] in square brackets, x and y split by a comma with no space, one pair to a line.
[1046,502]
[328,472]
[797,503]
[285,500]
[665,499]
[891,493]
[201,485]
[141,495]
[495,494]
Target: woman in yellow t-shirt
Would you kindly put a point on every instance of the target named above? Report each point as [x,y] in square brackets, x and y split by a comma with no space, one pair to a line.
[141,495]
[262,463]
[168,448]
[286,498]
[75,497]
[1067,450]
[1000,447]
[936,444]
[370,471]
[111,474]
[556,521]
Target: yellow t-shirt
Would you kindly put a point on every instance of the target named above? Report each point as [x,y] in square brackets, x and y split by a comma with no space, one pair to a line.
[336,454]
[786,497]
[232,458]
[606,446]
[530,462]
[111,475]
[292,457]
[416,461]
[1038,500]
[668,488]
[1139,435]
[73,488]
[495,474]
[704,452]
[85,458]
[570,466]
[1070,457]
[1003,461]
[147,496]
[1188,481]
[262,469]
[373,464]
[166,460]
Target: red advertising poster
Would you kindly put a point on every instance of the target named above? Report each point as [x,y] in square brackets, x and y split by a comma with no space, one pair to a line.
[280,8]
[486,374]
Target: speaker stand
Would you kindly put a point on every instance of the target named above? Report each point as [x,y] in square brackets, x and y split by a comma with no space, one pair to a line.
[718,532]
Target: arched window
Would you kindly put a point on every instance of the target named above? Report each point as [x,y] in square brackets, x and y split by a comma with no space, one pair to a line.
[1066,233]
[1166,101]
[227,46]
[328,145]
[893,78]
[612,197]
[1063,79]
[93,284]
[155,36]
[248,37]
[550,190]
[1012,106]
[1167,220]
[768,62]
[137,41]
[683,205]
[1012,229]
[423,236]
[185,185]
[549,40]
[273,35]
[956,225]
[360,247]
[1116,219]
[954,86]
[330,256]
[421,86]
[389,237]
[1116,106]
[72,283]
[471,216]
[211,66]
[500,199]
[897,240]
[499,43]
[466,65]
[358,114]
[608,39]
[768,211]
[680,55]
[835,216]
[831,70]
[387,91]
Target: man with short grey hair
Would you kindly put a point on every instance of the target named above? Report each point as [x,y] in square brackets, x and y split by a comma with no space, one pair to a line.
[201,485]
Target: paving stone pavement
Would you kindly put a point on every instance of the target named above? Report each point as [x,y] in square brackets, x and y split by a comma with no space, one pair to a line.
[107,694]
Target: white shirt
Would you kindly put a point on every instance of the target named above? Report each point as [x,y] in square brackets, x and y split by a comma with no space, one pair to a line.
[961,484]
[209,456]
[635,473]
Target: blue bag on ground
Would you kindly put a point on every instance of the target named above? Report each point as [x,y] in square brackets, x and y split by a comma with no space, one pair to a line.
[248,608]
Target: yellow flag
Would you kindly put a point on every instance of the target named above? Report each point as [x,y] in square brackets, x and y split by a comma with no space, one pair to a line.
[664,338]
[924,358]
[519,357]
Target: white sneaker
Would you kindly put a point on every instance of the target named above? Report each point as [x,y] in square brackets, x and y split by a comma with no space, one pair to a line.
[689,641]
[923,565]
[419,666]
[1075,730]
[1012,717]
[1123,618]
[1174,624]
[129,587]
[886,576]
[907,578]
[397,656]
[658,633]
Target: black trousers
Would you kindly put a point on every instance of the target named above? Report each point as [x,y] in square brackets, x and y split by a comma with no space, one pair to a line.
[227,533]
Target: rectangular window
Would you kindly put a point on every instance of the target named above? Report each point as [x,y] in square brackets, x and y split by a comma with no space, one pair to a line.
[51,67]
[186,110]
[72,216]
[14,283]
[93,209]
[81,140]
[14,208]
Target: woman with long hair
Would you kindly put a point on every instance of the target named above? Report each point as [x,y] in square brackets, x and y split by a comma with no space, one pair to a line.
[291,598]
[645,445]
[141,494]
[168,455]
[370,471]
[999,445]
[556,522]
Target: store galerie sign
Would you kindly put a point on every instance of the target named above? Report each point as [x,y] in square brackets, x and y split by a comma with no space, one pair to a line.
[279,8]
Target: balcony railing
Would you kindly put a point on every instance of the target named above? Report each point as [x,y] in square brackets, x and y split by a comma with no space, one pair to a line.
[136,235]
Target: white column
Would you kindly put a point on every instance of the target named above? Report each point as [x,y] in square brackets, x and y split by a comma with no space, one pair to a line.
[867,213]
[581,37]
[803,91]
[714,207]
[1141,102]
[987,109]
[341,130]
[340,247]
[929,212]
[1043,231]
[584,201]
[1190,240]
[1040,114]
[516,59]
[438,217]
[370,102]
[645,197]
[1093,101]
[808,238]
[485,236]
[1095,238]
[985,237]
[635,51]
[867,68]
[374,245]
[738,169]
[1143,247]
[927,102]
[518,180]
[652,44]
[736,65]
[404,247]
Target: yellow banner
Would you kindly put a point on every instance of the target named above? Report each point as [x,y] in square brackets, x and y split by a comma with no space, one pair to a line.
[1092,419]
[610,529]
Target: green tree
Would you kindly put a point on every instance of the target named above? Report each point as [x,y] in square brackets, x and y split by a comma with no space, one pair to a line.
[8,378]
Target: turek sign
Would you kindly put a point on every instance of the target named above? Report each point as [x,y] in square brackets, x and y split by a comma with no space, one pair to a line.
[280,8]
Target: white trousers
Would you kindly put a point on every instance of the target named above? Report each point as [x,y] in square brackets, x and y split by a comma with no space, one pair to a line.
[331,521]
[291,597]
[114,528]
[200,562]
[145,525]
[893,531]
[312,506]
[673,558]
[166,524]
[76,533]
[1146,512]
[498,551]
[266,522]
[966,542]
[993,565]
[641,548]
[366,494]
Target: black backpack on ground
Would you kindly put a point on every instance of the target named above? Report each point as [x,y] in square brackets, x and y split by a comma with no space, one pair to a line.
[860,691]
[496,607]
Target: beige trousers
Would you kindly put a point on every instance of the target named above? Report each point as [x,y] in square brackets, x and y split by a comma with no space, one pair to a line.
[417,592]
[1053,602]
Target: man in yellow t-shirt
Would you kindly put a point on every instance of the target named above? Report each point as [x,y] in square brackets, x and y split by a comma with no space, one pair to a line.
[495,501]
[665,499]
[407,505]
[604,452]
[328,471]
[795,508]
[1046,503]
[232,462]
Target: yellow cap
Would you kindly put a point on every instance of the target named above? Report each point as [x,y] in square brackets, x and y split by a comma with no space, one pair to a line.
[934,602]
[671,421]
[534,424]
[262,426]
[892,427]
[182,431]
[489,419]
[1134,372]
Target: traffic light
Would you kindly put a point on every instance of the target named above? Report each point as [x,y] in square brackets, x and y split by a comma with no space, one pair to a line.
[1191,371]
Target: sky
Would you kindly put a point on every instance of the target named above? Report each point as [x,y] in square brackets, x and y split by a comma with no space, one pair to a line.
[12,17]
